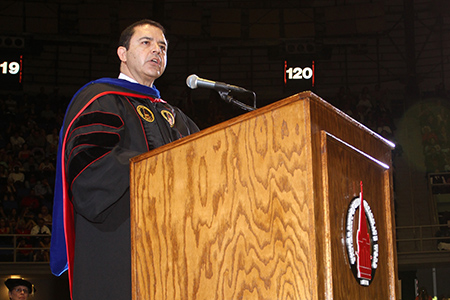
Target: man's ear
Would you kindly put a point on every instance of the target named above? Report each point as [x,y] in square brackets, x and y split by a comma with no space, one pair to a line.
[121,53]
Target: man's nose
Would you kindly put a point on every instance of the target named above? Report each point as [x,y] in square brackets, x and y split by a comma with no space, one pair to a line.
[156,48]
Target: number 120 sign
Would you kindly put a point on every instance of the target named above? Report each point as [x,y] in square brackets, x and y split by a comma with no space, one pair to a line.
[299,73]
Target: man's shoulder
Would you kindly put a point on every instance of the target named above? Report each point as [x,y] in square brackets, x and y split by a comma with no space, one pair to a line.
[100,86]
[91,91]
[106,86]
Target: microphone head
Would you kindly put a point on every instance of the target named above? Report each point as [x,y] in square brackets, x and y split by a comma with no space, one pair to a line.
[191,81]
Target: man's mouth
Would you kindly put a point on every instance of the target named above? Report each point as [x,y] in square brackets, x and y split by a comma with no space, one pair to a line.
[155,61]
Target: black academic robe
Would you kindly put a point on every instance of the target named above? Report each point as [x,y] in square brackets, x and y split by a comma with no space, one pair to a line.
[107,123]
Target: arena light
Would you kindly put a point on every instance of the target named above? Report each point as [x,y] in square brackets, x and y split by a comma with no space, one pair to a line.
[12,42]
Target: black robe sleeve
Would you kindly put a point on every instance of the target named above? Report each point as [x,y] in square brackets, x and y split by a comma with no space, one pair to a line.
[97,155]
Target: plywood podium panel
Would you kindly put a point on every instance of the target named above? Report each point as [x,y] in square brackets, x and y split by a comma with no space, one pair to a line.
[254,208]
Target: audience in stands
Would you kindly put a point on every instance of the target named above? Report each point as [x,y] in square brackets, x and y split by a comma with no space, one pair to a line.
[368,108]
[28,143]
[29,127]
[434,122]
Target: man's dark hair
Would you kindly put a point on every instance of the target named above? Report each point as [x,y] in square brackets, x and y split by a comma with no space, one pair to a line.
[128,32]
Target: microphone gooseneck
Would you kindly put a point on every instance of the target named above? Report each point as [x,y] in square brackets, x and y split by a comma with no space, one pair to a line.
[193,82]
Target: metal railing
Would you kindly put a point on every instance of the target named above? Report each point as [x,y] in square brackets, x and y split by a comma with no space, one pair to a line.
[24,248]
[422,239]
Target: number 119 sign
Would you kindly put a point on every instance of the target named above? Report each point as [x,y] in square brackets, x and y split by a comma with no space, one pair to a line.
[301,73]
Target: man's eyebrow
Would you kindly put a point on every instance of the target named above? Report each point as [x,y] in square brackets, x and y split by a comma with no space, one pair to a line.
[146,38]
[151,39]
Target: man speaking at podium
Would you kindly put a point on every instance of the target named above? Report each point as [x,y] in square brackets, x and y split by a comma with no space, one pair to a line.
[109,121]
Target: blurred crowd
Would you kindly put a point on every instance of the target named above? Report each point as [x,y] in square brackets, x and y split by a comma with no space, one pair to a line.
[434,122]
[29,128]
[369,107]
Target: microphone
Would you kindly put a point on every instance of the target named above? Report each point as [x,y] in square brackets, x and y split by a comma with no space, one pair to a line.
[193,81]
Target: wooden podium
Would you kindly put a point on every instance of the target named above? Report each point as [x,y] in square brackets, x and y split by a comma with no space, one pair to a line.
[266,206]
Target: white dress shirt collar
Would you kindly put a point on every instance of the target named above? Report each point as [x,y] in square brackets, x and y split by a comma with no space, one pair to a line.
[127,78]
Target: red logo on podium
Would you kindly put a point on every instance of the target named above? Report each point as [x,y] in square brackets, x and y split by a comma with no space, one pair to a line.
[364,259]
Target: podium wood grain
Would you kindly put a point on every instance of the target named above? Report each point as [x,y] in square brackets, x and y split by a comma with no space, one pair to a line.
[231,212]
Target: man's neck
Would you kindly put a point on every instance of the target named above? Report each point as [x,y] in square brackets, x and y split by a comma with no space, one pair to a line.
[127,78]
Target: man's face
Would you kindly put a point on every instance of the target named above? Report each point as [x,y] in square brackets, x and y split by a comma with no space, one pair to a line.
[146,57]
[19,293]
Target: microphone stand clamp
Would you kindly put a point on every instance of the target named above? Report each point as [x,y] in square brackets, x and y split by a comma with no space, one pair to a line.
[225,95]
